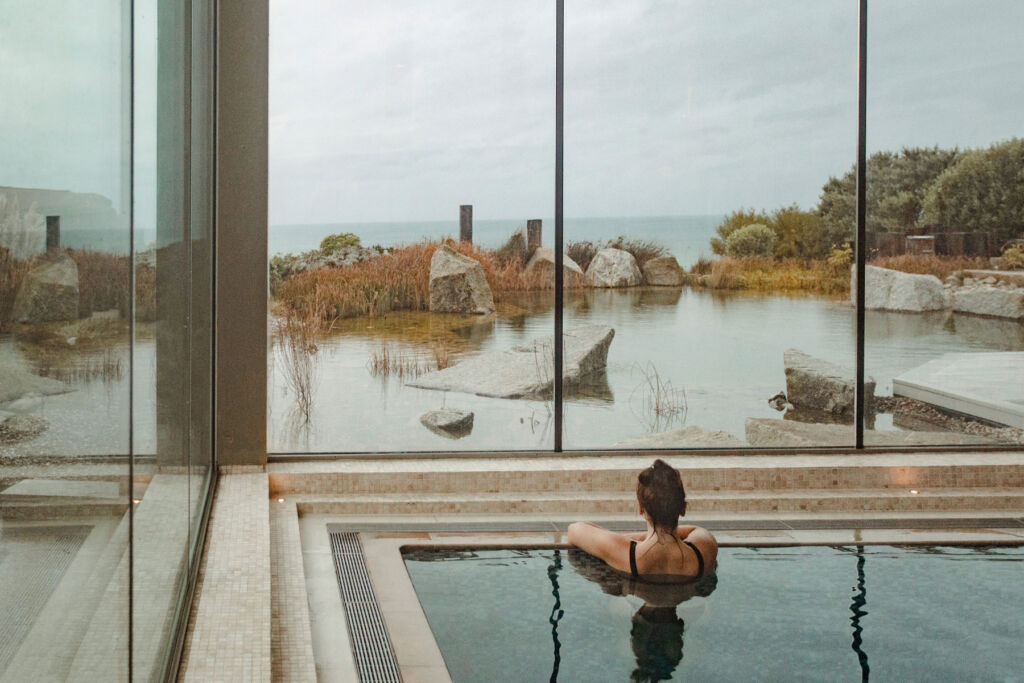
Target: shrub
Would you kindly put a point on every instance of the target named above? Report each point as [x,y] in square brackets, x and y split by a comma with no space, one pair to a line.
[1014,257]
[582,253]
[732,223]
[755,239]
[702,266]
[841,257]
[333,243]
[642,250]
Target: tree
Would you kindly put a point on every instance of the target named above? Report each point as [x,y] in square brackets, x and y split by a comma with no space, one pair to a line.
[982,191]
[896,187]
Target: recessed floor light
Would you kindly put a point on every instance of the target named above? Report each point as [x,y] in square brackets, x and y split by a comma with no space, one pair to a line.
[913,492]
[281,500]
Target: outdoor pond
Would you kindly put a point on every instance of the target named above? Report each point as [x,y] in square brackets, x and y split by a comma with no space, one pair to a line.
[721,352]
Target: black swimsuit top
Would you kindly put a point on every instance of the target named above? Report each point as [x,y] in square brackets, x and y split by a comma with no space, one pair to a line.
[636,574]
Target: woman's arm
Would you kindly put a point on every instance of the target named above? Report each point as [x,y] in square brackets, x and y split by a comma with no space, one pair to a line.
[601,543]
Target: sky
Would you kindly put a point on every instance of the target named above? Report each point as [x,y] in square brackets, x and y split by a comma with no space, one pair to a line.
[402,110]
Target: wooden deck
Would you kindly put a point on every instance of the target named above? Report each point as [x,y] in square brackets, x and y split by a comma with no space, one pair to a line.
[986,385]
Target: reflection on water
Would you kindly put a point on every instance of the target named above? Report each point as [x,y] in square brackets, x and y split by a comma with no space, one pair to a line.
[722,349]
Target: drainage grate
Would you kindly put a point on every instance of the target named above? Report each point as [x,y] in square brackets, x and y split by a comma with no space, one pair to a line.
[375,658]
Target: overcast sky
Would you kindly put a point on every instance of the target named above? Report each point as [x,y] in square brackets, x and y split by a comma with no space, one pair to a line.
[401,110]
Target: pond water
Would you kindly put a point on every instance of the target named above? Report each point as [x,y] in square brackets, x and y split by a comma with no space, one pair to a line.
[915,613]
[724,350]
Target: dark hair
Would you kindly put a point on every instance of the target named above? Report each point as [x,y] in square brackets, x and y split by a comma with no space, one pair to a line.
[659,490]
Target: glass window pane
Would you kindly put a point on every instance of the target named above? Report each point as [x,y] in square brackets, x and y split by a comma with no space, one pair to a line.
[413,111]
[684,124]
[945,308]
[64,339]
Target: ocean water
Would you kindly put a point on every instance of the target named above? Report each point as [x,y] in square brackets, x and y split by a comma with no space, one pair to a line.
[686,237]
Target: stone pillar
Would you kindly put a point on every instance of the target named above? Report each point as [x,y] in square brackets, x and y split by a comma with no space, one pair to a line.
[52,234]
[533,235]
[466,223]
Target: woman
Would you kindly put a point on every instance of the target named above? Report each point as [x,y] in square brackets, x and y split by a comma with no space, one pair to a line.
[666,552]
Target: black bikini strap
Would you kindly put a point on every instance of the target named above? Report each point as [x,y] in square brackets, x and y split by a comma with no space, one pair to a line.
[700,559]
[632,559]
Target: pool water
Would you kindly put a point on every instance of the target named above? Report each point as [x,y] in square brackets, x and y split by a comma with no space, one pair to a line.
[770,614]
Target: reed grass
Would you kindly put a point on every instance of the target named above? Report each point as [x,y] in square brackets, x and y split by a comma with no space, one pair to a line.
[387,361]
[660,403]
[397,281]
[297,353]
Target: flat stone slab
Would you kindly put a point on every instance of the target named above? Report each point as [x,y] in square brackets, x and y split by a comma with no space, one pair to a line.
[451,424]
[821,385]
[988,385]
[688,437]
[768,433]
[525,371]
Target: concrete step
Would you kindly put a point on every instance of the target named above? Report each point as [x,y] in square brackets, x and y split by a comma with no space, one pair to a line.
[527,502]
[618,473]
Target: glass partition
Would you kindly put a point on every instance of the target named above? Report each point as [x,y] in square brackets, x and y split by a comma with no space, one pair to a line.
[411,185]
[944,283]
[698,138]
[106,242]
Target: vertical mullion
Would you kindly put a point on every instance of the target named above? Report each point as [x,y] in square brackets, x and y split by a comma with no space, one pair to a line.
[559,276]
[131,332]
[861,242]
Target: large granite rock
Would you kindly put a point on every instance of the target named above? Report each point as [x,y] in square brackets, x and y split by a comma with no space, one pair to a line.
[451,424]
[817,384]
[613,268]
[663,271]
[768,433]
[688,437]
[457,284]
[16,382]
[526,371]
[543,264]
[996,302]
[894,290]
[49,292]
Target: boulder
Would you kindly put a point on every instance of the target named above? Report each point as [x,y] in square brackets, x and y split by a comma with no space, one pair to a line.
[990,301]
[49,292]
[820,385]
[613,268]
[16,382]
[543,264]
[663,271]
[688,437]
[894,290]
[526,371]
[769,433]
[451,424]
[22,428]
[457,284]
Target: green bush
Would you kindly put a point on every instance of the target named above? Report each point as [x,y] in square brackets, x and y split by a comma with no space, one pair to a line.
[333,243]
[756,239]
[733,222]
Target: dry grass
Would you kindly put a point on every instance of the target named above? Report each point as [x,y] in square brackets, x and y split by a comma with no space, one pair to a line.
[103,281]
[297,353]
[397,281]
[12,272]
[388,361]
[929,264]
